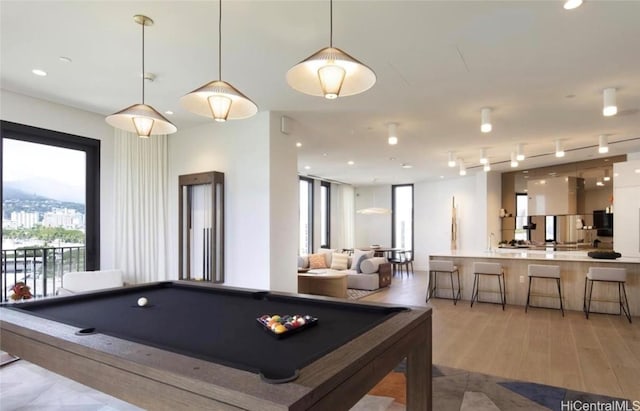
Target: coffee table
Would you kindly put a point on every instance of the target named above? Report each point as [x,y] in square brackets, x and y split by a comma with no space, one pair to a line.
[331,284]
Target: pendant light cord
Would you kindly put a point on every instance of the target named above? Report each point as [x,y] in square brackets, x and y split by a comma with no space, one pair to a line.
[143,24]
[330,23]
[220,40]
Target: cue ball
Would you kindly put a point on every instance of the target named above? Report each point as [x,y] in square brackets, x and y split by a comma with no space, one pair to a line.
[142,301]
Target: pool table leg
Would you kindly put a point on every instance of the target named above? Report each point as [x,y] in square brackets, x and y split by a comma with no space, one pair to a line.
[419,391]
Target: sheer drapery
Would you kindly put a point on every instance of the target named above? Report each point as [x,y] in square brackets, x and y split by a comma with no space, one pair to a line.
[345,204]
[140,175]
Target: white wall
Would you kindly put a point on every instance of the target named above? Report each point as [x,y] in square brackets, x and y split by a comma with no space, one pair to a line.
[260,186]
[283,179]
[626,206]
[30,111]
[432,214]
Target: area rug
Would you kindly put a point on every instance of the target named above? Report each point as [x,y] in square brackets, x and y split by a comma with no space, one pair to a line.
[459,390]
[353,294]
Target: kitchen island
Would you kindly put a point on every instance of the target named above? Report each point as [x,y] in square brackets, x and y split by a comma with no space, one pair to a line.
[573,268]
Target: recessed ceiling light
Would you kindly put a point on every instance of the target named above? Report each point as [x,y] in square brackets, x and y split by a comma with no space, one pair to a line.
[350,162]
[39,72]
[307,167]
[324,154]
[405,165]
[298,144]
[572,4]
[637,171]
[392,158]
[64,59]
[168,112]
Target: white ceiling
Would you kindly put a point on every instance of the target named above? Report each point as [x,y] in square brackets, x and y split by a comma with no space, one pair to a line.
[539,67]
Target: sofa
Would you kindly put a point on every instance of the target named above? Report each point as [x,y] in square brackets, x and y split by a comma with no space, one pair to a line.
[364,271]
[81,281]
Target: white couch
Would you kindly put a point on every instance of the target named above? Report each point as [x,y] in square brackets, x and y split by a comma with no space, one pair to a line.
[79,281]
[373,273]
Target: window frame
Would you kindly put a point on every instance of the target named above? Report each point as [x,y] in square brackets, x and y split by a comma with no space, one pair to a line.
[393,214]
[326,206]
[310,181]
[525,218]
[91,148]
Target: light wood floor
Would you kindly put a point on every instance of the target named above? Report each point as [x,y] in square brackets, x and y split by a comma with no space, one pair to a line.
[600,355]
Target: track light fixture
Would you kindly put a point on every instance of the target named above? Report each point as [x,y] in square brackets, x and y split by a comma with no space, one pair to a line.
[452,159]
[514,161]
[609,107]
[483,156]
[520,152]
[463,169]
[485,120]
[559,149]
[603,144]
[393,134]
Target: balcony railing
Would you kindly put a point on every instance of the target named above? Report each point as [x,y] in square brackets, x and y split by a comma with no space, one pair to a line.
[39,268]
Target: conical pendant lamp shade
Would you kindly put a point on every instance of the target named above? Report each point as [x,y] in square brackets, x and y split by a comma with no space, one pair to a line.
[307,77]
[141,119]
[220,100]
[331,72]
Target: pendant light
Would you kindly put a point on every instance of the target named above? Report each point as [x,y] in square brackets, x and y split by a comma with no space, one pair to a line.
[331,72]
[141,119]
[219,99]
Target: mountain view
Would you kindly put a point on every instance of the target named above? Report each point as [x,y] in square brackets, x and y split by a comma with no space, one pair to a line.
[43,187]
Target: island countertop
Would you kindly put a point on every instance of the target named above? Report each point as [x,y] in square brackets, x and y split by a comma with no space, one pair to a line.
[527,254]
[573,267]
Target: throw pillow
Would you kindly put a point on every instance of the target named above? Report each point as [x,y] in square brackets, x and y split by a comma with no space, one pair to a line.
[339,261]
[327,252]
[371,265]
[317,261]
[358,257]
[303,261]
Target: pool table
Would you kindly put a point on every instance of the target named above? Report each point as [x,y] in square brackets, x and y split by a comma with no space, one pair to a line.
[199,346]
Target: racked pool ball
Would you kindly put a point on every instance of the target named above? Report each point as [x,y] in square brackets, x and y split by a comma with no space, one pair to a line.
[142,301]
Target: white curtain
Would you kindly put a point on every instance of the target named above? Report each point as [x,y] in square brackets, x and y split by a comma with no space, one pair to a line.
[141,169]
[345,204]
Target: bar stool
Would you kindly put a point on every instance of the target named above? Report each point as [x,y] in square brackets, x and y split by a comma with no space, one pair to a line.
[491,269]
[549,272]
[445,267]
[610,275]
